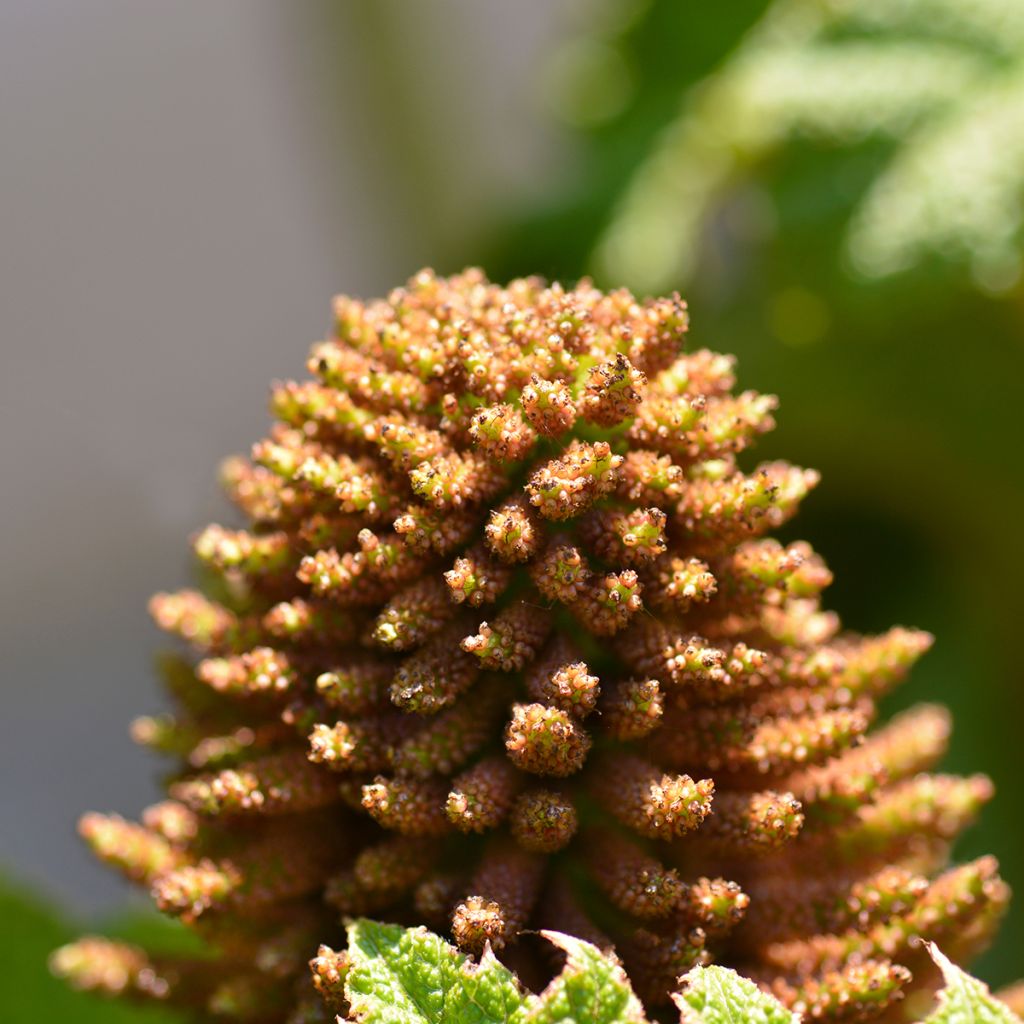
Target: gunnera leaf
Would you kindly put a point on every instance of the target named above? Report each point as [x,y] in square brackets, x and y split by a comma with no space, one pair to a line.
[965,1000]
[411,976]
[592,987]
[718,995]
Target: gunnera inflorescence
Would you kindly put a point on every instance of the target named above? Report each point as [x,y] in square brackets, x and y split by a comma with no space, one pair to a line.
[505,646]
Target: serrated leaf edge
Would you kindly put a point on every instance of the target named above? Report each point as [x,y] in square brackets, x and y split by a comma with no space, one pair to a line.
[688,1015]
[954,978]
[577,952]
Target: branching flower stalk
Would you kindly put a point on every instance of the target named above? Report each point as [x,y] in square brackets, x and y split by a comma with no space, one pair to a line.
[506,645]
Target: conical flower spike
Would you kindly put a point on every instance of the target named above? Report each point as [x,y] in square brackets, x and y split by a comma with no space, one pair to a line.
[500,640]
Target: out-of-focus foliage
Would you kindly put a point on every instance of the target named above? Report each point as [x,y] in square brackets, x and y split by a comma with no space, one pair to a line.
[937,85]
[835,187]
[28,992]
[941,80]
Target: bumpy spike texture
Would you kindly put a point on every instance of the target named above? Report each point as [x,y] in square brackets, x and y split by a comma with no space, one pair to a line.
[505,646]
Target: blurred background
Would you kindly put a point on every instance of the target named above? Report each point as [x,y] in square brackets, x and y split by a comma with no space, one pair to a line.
[835,185]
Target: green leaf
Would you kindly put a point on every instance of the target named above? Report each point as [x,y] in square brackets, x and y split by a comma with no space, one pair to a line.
[411,976]
[408,976]
[592,988]
[716,995]
[965,1000]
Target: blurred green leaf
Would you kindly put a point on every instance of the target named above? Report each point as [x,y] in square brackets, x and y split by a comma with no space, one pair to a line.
[940,82]
[30,995]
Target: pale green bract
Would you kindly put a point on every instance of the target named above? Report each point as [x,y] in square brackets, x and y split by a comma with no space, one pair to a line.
[716,995]
[965,1000]
[411,976]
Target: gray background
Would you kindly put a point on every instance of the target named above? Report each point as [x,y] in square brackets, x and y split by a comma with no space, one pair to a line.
[183,186]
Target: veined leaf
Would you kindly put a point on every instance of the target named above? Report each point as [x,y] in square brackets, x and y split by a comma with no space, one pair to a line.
[965,1000]
[592,987]
[717,995]
[411,976]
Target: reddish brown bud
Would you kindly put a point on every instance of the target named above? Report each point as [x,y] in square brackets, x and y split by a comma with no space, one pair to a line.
[501,895]
[481,797]
[543,821]
[545,741]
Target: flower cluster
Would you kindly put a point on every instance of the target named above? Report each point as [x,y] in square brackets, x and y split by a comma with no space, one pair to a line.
[505,645]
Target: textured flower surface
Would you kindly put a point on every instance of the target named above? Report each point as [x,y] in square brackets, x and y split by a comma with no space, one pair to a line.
[505,646]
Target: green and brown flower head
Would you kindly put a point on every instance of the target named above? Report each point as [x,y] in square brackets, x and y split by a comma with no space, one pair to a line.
[505,645]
